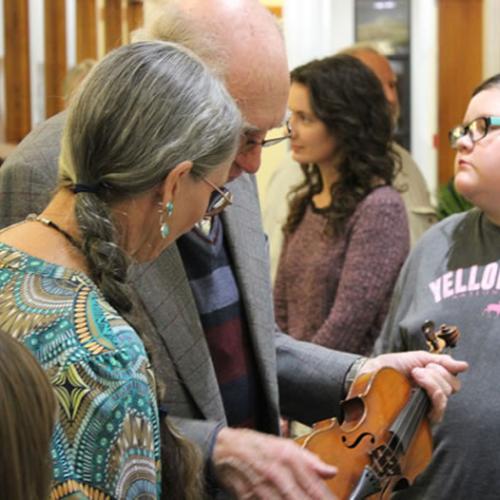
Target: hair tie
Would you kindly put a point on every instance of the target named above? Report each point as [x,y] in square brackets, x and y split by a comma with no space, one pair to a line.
[163,410]
[86,188]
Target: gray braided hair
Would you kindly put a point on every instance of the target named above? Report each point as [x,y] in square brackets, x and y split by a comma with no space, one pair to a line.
[145,108]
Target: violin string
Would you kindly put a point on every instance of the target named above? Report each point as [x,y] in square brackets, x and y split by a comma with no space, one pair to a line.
[422,407]
[418,408]
[418,412]
[395,444]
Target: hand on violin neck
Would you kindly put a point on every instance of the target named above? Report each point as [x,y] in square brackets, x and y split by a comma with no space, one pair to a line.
[258,466]
[435,373]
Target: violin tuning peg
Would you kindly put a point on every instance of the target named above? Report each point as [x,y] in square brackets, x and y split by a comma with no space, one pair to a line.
[450,334]
[428,327]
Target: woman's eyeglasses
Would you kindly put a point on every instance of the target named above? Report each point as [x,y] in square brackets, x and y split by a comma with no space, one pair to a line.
[220,199]
[475,130]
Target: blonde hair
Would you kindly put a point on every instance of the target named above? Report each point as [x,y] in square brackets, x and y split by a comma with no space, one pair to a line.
[75,76]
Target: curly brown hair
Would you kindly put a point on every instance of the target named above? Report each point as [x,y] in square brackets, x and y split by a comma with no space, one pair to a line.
[348,98]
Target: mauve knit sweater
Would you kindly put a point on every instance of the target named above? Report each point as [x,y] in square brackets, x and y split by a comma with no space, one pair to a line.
[335,291]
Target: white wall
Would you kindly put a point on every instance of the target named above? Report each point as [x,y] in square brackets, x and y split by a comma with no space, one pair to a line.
[317,28]
[424,88]
[491,38]
[37,61]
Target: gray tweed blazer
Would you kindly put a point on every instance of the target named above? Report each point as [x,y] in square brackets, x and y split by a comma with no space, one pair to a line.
[310,378]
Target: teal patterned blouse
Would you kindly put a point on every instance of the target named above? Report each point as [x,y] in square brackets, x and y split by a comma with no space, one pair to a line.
[106,442]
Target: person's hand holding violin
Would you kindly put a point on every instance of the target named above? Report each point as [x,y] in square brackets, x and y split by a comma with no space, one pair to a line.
[436,373]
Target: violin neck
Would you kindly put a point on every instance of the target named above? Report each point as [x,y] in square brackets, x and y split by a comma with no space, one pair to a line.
[406,424]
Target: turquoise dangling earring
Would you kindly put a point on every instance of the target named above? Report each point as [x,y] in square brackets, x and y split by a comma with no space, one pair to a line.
[164,227]
[164,230]
[169,207]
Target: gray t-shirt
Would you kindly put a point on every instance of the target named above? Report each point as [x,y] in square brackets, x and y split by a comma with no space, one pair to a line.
[453,276]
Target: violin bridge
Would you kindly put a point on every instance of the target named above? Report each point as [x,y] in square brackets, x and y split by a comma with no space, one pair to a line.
[385,462]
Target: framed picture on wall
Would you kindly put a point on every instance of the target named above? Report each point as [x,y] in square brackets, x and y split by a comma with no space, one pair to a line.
[385,24]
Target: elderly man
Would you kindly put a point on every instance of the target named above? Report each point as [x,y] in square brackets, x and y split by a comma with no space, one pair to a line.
[213,342]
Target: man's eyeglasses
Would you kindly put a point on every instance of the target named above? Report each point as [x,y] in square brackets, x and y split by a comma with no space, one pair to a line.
[475,130]
[220,199]
[247,143]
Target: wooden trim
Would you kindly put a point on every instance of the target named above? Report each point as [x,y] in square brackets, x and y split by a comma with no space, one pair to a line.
[17,70]
[135,16]
[55,55]
[86,30]
[460,69]
[113,24]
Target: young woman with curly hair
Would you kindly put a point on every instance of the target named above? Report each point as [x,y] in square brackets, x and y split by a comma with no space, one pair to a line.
[346,235]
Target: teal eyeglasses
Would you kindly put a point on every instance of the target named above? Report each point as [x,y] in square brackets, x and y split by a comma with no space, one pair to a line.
[476,129]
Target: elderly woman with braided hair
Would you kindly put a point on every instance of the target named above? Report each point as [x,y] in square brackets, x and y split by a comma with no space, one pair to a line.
[148,140]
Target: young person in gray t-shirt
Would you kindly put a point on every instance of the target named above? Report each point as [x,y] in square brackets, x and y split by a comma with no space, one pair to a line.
[453,276]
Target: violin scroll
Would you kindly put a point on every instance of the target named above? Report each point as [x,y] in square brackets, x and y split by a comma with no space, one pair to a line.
[445,337]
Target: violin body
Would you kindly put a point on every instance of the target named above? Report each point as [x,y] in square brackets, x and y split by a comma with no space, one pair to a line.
[366,438]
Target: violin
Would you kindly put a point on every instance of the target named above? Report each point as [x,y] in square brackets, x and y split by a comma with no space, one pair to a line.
[384,440]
